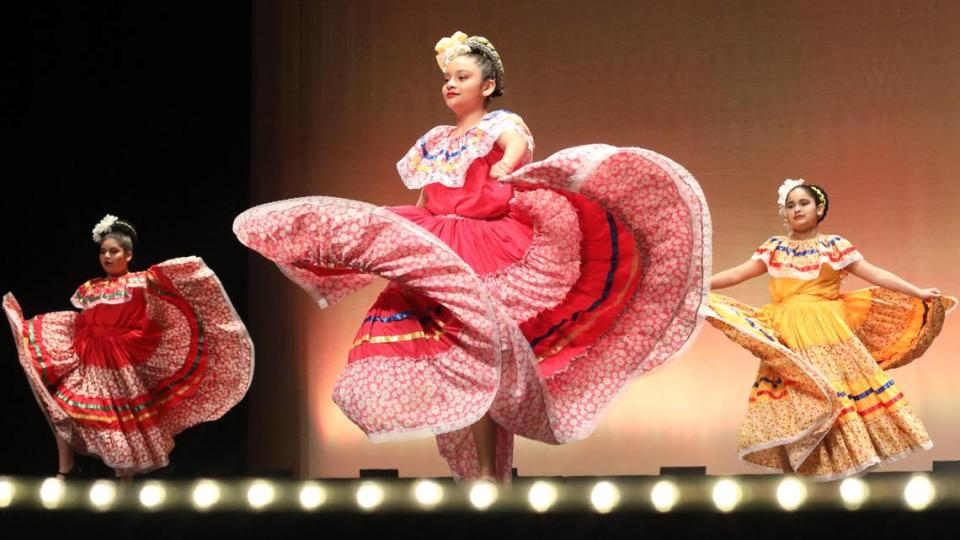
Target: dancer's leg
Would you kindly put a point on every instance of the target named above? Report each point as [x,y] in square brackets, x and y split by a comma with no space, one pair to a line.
[65,461]
[485,438]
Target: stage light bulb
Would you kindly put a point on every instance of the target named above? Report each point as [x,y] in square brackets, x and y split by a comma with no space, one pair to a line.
[102,494]
[854,493]
[919,492]
[312,496]
[152,494]
[483,494]
[542,495]
[428,493]
[369,495]
[7,493]
[664,495]
[605,496]
[206,494]
[791,493]
[51,492]
[727,495]
[260,494]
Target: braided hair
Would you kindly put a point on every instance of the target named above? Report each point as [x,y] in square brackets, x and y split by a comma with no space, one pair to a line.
[488,60]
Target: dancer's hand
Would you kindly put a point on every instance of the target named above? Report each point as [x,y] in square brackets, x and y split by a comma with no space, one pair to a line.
[500,169]
[929,294]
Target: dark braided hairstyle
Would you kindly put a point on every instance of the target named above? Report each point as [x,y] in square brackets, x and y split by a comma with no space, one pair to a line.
[488,60]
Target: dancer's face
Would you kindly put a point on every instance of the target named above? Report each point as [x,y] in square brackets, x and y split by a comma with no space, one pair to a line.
[113,258]
[802,210]
[464,88]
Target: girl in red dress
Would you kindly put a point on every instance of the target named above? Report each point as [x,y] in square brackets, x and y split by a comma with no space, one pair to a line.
[150,354]
[523,296]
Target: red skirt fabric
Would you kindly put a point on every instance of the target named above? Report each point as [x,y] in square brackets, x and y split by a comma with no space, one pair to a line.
[537,316]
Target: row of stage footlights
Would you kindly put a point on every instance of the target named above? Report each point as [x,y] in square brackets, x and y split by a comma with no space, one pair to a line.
[916,492]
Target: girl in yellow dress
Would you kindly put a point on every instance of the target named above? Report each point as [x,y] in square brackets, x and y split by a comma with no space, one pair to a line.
[822,404]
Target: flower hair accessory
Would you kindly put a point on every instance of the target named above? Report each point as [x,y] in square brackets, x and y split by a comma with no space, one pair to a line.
[785,190]
[450,47]
[104,227]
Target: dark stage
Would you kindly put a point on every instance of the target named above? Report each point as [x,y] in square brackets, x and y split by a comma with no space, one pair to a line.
[136,110]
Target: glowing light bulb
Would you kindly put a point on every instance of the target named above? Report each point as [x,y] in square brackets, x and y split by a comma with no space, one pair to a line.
[428,493]
[51,492]
[369,495]
[919,492]
[854,493]
[102,494]
[664,495]
[206,494]
[152,495]
[7,492]
[542,496]
[605,496]
[312,496]
[727,495]
[260,494]
[483,494]
[791,493]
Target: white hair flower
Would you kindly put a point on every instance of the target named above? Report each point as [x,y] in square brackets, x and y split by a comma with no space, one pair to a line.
[785,189]
[104,227]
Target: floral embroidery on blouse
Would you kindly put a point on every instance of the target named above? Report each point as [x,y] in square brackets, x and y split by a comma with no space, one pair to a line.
[440,158]
[108,290]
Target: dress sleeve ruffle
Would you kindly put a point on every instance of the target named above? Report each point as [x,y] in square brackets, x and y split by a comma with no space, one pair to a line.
[438,158]
[763,252]
[802,260]
[107,291]
[838,252]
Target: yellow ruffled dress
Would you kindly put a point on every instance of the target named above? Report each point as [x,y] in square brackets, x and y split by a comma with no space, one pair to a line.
[822,404]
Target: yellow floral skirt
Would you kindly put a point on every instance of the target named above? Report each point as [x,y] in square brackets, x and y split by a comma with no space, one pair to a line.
[822,404]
